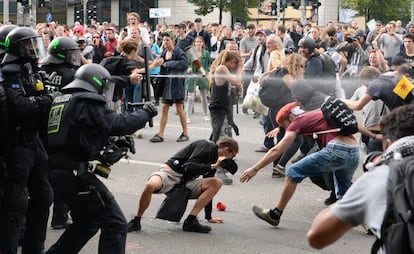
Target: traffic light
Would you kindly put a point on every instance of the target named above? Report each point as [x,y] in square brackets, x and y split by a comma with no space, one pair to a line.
[295,5]
[89,14]
[79,15]
[274,8]
[282,8]
[317,4]
[94,13]
[25,3]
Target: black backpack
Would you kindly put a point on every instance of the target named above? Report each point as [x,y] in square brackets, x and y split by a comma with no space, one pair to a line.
[397,230]
[329,66]
[339,115]
[273,91]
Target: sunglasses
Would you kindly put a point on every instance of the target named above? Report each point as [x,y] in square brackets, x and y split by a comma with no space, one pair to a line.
[81,42]
[76,32]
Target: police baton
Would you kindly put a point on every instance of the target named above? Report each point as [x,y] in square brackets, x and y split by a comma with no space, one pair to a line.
[145,85]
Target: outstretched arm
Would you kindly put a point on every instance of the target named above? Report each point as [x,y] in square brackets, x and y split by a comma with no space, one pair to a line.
[359,104]
[274,153]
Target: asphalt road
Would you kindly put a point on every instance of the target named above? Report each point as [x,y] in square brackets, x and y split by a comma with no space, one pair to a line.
[241,231]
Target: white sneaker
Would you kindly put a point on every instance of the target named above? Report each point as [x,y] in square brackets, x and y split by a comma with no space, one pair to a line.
[206,118]
[188,120]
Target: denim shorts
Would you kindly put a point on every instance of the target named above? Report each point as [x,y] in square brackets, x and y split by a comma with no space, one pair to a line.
[340,158]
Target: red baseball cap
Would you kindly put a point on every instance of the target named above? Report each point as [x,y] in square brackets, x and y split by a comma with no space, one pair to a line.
[284,112]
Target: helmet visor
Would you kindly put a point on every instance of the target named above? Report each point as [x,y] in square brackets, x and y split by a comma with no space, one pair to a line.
[108,92]
[34,48]
[73,57]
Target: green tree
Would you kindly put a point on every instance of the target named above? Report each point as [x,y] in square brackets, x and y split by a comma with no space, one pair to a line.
[384,10]
[237,9]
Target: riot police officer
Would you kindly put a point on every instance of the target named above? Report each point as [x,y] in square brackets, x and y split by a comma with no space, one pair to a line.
[63,58]
[26,157]
[4,123]
[80,123]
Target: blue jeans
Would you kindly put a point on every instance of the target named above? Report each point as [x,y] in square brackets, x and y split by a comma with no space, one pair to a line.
[339,158]
[133,93]
[268,126]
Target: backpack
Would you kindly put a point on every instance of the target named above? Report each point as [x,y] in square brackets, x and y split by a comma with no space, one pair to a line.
[339,115]
[329,66]
[273,92]
[397,229]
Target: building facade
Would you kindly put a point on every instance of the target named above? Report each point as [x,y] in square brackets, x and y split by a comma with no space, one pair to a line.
[115,11]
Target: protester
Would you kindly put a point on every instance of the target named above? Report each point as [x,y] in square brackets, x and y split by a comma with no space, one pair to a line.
[201,157]
[221,106]
[339,155]
[174,62]
[202,82]
[365,201]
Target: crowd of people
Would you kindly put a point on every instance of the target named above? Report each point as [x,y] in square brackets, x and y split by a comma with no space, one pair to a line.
[65,91]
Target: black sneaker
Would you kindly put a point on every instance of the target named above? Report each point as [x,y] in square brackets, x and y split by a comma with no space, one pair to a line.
[332,199]
[134,224]
[195,227]
[264,214]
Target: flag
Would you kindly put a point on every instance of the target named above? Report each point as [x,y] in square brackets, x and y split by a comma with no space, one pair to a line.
[403,87]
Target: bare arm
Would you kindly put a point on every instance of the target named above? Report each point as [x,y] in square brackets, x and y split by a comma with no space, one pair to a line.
[326,229]
[359,104]
[274,153]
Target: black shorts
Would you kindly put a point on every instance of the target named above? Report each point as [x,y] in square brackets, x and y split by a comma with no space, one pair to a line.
[171,102]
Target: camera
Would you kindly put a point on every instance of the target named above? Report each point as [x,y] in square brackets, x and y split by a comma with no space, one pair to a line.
[411,71]
[351,39]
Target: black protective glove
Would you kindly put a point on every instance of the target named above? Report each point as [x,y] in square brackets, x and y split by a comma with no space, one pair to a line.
[150,108]
[116,149]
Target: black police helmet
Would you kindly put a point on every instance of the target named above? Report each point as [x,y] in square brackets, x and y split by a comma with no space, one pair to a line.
[63,50]
[91,77]
[23,43]
[307,42]
[4,31]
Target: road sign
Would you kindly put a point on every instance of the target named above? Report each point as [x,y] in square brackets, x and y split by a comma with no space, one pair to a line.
[159,12]
[49,17]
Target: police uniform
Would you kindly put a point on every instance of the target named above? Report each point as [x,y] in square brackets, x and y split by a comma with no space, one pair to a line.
[80,123]
[63,74]
[27,160]
[60,66]
[60,75]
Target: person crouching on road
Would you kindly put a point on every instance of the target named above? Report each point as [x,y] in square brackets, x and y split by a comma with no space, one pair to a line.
[201,157]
